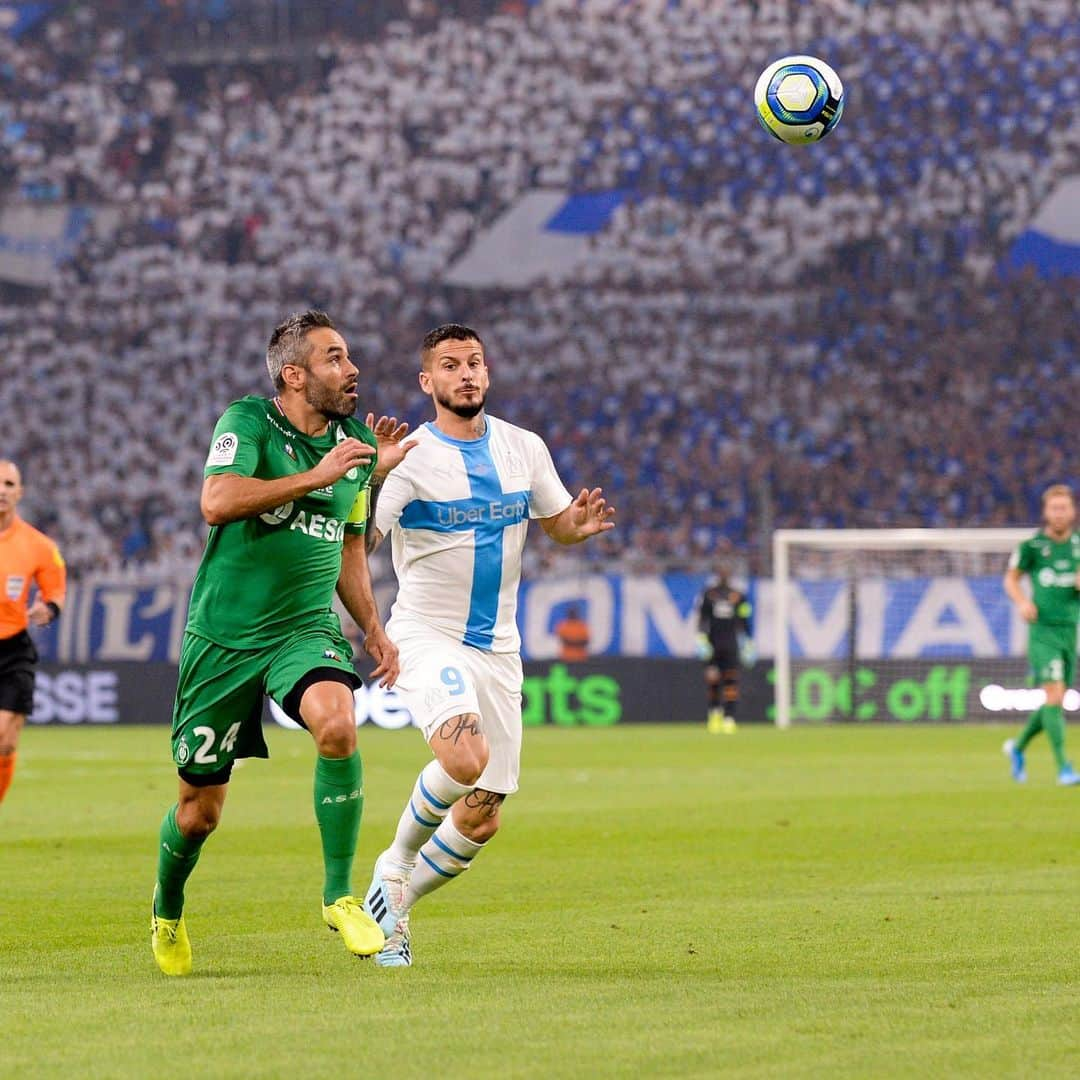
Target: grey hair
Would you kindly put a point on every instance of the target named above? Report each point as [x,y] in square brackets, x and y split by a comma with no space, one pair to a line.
[287,344]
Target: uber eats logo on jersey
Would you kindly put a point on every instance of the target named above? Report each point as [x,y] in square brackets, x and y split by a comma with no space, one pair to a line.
[568,700]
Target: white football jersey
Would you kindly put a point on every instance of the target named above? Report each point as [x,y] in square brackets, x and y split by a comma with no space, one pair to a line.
[457,512]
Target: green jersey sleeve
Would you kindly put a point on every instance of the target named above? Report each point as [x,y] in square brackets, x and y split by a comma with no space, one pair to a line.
[1023,558]
[239,437]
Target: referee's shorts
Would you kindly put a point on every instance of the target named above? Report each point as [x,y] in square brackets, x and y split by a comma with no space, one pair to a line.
[17,659]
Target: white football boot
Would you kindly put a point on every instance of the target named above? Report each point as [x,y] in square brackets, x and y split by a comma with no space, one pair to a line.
[385,899]
[397,952]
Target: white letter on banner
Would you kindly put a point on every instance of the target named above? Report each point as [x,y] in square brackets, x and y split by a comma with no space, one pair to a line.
[812,638]
[870,618]
[820,640]
[592,592]
[925,629]
[646,599]
[119,604]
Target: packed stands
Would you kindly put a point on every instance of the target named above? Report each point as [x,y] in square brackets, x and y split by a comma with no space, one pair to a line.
[754,336]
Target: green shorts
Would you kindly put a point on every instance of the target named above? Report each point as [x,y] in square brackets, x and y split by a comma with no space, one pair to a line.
[217,717]
[1051,654]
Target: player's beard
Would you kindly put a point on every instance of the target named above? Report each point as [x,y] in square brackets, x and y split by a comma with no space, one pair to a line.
[333,404]
[466,410]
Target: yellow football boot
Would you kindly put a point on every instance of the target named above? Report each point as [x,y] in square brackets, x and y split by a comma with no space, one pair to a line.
[169,940]
[358,930]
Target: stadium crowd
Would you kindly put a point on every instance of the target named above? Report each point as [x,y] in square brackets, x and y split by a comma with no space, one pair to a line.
[760,337]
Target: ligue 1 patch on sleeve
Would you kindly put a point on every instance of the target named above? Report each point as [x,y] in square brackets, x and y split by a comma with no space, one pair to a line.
[223,452]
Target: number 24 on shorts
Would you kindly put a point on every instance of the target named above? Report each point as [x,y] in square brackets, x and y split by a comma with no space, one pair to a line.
[203,756]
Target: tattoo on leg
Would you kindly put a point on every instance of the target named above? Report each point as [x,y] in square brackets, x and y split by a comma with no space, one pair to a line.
[486,803]
[452,730]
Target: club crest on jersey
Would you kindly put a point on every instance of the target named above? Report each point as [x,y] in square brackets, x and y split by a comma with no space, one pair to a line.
[14,586]
[514,465]
[329,654]
[290,451]
[340,436]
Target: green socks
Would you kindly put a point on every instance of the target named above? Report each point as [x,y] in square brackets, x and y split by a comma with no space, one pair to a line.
[1053,722]
[1051,719]
[1034,726]
[339,804]
[177,856]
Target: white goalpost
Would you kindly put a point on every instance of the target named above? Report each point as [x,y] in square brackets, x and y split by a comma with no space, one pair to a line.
[883,623]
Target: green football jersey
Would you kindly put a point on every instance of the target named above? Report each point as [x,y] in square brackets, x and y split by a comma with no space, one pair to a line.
[261,577]
[1052,568]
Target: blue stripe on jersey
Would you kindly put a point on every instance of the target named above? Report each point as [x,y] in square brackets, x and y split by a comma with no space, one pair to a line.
[486,513]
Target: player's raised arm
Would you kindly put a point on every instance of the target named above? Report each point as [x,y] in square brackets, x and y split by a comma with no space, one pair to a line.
[231,497]
[586,516]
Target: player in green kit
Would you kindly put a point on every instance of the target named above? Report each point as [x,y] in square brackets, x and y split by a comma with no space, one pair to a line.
[1051,558]
[286,492]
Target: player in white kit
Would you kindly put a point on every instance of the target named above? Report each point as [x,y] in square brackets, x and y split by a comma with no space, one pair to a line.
[457,510]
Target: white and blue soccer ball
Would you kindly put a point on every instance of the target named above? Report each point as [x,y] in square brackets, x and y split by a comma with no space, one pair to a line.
[799,99]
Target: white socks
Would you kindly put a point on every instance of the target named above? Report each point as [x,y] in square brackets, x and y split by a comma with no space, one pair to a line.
[434,793]
[446,855]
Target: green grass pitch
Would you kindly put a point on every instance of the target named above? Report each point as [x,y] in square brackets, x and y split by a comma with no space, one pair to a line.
[838,902]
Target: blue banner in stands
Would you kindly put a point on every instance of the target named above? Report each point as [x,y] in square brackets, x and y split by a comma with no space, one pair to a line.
[623,615]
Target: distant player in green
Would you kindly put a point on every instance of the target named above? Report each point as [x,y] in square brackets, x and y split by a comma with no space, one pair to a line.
[1051,559]
[286,491]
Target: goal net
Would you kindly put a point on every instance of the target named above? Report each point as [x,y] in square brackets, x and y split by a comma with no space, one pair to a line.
[897,624]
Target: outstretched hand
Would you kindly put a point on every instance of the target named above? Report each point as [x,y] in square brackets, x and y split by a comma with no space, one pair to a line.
[590,514]
[388,434]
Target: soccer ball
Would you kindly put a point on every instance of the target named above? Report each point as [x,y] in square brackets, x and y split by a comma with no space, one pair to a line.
[799,99]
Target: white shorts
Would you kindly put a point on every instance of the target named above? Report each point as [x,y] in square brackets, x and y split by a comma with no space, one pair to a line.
[442,678]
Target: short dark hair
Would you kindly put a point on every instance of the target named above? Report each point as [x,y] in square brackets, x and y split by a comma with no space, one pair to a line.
[448,332]
[287,341]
